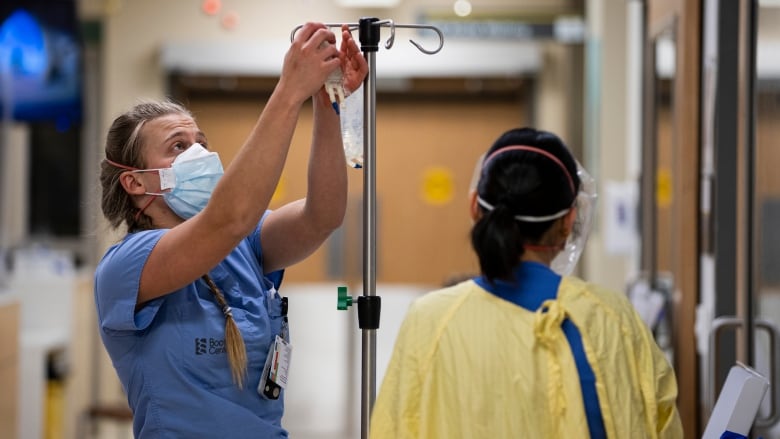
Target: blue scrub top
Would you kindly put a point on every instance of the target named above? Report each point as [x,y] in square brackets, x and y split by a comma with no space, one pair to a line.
[534,284]
[170,355]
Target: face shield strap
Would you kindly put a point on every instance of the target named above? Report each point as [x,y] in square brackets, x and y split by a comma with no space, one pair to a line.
[526,218]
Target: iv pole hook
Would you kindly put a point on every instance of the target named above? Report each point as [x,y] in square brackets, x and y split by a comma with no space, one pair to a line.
[419,47]
[392,25]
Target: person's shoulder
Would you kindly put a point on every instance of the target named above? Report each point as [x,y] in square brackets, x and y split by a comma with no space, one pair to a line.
[431,313]
[612,308]
[440,300]
[575,287]
[131,243]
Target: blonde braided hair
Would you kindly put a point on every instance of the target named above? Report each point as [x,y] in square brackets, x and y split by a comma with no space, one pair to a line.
[234,343]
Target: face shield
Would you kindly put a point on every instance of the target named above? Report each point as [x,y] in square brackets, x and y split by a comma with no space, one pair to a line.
[476,174]
[585,203]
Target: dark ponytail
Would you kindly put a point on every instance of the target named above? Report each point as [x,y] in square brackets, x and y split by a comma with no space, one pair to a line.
[497,240]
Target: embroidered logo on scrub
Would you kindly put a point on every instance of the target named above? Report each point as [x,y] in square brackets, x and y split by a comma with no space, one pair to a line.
[209,346]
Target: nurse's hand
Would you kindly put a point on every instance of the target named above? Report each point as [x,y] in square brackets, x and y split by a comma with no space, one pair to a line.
[310,59]
[353,65]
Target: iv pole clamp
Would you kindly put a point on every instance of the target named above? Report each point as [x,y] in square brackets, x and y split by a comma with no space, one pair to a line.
[369,304]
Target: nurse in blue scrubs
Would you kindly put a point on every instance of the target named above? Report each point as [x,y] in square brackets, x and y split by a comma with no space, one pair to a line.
[188,303]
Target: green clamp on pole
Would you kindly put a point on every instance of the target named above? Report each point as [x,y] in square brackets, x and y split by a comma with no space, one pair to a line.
[345,300]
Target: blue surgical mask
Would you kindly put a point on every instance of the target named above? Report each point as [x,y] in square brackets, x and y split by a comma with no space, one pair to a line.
[191,180]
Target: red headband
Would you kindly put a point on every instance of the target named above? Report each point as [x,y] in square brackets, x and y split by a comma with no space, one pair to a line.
[536,150]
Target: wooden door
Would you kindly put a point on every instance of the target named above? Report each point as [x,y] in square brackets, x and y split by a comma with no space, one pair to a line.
[427,146]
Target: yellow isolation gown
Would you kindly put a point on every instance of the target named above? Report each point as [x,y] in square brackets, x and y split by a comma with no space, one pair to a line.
[468,364]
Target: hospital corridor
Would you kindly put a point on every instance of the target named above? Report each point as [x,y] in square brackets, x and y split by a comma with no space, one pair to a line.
[134,304]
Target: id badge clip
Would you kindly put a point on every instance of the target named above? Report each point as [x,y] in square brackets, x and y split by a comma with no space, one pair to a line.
[277,363]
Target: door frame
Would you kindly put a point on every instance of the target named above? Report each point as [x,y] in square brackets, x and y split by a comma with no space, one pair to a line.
[730,76]
[686,17]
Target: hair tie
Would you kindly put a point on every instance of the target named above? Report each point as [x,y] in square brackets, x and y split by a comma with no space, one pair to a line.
[228,311]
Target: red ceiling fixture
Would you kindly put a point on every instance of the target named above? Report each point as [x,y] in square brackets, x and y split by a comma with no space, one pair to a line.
[211,7]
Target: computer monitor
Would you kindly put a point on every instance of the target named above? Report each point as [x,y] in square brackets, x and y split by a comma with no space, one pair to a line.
[40,61]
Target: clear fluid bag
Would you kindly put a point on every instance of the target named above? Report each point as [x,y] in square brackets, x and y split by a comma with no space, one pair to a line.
[351,110]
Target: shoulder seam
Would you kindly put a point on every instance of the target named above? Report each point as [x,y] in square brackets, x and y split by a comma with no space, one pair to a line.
[452,308]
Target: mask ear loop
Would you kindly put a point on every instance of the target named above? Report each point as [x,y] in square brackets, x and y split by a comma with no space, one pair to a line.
[137,216]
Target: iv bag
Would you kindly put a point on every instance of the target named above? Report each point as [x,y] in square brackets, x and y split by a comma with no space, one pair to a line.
[351,110]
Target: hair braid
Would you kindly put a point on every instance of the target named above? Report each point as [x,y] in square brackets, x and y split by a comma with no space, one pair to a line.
[233,341]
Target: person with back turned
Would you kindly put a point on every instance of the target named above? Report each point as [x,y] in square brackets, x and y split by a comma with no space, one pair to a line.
[524,350]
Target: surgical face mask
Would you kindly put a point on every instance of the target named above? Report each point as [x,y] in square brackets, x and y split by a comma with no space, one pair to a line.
[191,180]
[565,261]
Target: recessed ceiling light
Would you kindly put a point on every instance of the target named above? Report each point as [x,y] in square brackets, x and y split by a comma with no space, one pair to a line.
[462,8]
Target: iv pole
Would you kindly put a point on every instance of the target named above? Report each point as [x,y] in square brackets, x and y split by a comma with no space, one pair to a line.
[369,303]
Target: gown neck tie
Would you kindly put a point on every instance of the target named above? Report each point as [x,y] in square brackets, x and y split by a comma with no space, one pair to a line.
[547,330]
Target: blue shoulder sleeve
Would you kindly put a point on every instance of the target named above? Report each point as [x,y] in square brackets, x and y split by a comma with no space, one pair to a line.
[254,239]
[117,279]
